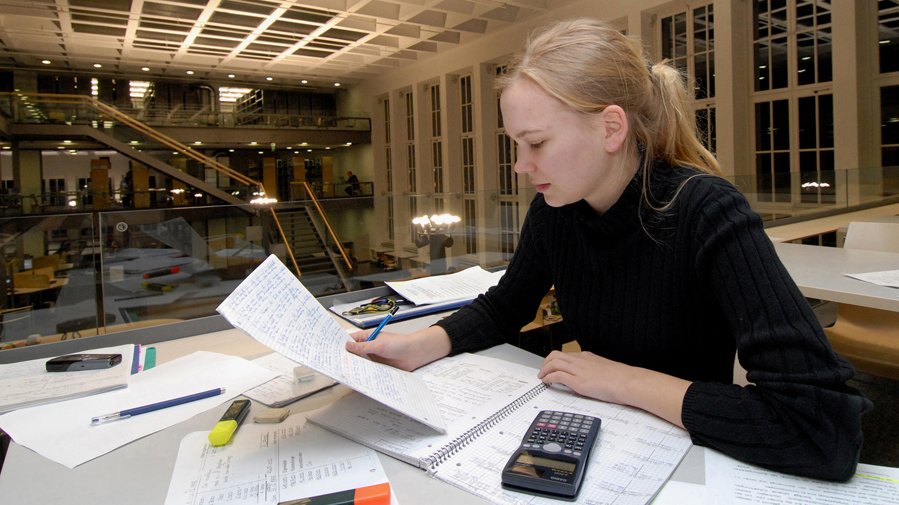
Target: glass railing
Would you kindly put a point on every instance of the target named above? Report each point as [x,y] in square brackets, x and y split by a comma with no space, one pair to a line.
[76,275]
[24,107]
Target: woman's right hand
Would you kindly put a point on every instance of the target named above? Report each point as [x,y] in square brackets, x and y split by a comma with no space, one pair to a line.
[404,351]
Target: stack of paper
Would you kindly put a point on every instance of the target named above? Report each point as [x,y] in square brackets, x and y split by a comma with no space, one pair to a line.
[28,383]
[426,295]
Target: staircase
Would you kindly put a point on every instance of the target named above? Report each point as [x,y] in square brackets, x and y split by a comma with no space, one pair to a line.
[321,270]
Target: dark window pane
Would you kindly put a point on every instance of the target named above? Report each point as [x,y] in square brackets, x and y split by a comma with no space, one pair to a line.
[825,121]
[888,38]
[808,123]
[762,127]
[805,54]
[782,177]
[762,72]
[825,56]
[889,157]
[779,59]
[889,110]
[701,85]
[780,121]
[667,38]
[760,14]
[763,177]
[680,35]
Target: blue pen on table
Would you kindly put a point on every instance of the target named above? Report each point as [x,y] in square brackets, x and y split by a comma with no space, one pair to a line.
[381,326]
[124,414]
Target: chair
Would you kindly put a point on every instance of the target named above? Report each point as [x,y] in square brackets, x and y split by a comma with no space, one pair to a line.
[867,337]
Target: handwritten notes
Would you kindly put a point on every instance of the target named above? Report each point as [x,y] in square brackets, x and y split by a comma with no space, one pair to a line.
[270,465]
[273,307]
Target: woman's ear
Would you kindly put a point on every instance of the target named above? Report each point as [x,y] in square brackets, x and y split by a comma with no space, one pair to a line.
[613,127]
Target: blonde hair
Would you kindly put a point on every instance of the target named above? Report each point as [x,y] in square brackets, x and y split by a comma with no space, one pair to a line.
[588,66]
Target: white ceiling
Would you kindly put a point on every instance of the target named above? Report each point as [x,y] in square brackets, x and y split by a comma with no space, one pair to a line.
[322,41]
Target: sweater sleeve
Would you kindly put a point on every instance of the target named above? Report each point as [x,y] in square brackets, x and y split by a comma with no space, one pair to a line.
[798,415]
[498,315]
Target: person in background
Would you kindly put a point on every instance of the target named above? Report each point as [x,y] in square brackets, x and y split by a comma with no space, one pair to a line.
[661,269]
[353,183]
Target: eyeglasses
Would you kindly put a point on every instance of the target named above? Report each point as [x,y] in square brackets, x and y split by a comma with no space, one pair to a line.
[380,304]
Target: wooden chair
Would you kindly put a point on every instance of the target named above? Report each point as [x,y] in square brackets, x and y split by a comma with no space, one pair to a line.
[867,337]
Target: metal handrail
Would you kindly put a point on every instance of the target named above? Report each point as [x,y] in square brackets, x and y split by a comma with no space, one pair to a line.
[324,218]
[112,112]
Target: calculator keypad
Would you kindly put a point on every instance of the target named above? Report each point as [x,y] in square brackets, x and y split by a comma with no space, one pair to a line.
[559,432]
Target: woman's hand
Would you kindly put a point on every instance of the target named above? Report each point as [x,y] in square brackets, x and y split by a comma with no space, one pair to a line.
[610,381]
[407,352]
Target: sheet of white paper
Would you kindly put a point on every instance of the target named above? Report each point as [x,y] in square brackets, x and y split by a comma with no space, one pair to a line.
[888,278]
[267,464]
[63,433]
[273,307]
[731,481]
[679,493]
[28,383]
[285,388]
[464,285]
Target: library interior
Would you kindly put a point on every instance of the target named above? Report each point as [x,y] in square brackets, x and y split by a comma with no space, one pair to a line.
[157,155]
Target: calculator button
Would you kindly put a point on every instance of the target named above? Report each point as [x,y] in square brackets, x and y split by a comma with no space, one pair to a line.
[552,447]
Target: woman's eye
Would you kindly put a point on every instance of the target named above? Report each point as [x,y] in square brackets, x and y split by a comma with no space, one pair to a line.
[535,145]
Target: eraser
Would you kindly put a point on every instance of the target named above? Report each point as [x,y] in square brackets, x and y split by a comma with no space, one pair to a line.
[303,374]
[271,416]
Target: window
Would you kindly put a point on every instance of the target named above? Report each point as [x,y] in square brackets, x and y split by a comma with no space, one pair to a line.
[793,101]
[772,155]
[889,138]
[412,176]
[387,151]
[816,152]
[469,216]
[688,42]
[508,182]
[888,35]
[436,145]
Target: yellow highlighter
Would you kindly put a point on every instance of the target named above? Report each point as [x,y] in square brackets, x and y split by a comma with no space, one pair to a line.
[224,429]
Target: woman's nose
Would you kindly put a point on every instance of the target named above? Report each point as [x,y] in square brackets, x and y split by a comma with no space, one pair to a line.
[523,166]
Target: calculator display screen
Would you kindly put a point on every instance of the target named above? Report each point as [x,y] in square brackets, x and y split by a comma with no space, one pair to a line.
[525,458]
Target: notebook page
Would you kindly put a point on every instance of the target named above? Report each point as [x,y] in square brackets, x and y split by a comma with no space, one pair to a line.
[273,307]
[633,457]
[469,388]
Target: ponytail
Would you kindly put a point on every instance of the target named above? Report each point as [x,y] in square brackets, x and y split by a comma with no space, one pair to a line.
[674,135]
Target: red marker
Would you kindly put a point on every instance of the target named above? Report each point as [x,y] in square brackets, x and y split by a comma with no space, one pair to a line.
[161,272]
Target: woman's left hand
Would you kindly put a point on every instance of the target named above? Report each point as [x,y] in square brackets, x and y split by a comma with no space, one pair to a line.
[611,381]
[587,374]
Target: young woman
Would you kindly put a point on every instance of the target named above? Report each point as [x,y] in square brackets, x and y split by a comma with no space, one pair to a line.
[661,269]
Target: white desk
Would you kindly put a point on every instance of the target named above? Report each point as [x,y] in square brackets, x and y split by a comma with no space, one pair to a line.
[818,271]
[139,473]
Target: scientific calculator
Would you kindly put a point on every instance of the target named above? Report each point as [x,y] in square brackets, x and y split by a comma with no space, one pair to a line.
[553,455]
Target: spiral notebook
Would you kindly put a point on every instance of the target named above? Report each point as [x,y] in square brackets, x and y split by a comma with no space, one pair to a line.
[488,404]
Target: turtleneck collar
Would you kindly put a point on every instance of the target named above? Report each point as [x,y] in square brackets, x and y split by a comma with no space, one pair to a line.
[621,217]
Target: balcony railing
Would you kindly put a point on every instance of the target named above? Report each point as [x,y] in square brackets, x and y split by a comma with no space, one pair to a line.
[79,274]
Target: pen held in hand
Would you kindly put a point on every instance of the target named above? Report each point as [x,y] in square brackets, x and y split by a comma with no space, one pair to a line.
[124,414]
[386,320]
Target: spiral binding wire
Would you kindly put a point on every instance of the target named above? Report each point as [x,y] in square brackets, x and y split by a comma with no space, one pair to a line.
[441,455]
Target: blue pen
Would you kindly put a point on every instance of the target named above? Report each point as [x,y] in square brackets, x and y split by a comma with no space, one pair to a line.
[386,320]
[115,416]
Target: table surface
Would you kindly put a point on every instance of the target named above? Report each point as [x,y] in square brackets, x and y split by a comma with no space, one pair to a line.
[819,273]
[139,473]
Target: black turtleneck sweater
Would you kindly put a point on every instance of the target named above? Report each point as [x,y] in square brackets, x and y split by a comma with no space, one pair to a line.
[678,291]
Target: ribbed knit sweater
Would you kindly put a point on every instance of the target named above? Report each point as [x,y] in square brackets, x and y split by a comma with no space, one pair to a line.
[678,291]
